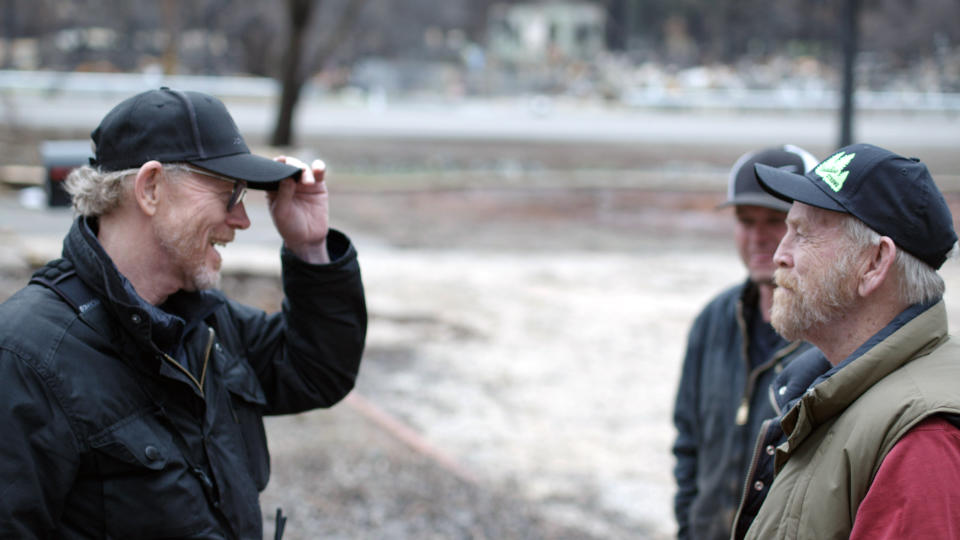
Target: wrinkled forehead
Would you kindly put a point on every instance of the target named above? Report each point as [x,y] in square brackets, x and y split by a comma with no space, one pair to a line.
[813,217]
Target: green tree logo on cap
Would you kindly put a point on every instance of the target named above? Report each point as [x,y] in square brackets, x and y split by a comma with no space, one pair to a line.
[832,170]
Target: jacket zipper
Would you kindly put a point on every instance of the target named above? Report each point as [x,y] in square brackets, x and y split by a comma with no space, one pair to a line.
[203,370]
[743,411]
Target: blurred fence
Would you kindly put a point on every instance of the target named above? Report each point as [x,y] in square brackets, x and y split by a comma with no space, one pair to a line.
[123,84]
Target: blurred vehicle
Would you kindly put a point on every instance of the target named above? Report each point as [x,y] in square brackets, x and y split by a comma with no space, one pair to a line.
[59,158]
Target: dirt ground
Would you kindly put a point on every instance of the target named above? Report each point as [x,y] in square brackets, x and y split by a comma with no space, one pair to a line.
[533,368]
[528,307]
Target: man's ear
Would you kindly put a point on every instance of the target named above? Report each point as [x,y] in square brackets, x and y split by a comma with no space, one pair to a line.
[879,268]
[147,188]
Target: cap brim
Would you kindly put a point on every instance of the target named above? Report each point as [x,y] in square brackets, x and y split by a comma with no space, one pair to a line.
[792,187]
[257,171]
[757,199]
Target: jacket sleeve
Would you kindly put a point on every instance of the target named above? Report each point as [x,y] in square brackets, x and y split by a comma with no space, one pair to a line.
[308,355]
[914,494]
[39,456]
[686,446]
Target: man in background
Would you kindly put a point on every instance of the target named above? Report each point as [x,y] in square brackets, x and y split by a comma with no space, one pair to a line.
[732,356]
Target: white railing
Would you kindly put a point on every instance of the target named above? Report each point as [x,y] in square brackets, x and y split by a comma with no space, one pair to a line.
[109,84]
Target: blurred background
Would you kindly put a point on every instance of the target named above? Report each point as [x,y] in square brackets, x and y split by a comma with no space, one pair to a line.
[531,187]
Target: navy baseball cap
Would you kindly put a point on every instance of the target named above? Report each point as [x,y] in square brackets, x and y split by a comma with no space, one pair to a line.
[742,186]
[892,194]
[177,126]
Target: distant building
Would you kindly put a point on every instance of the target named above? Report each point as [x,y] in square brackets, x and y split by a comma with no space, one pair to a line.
[20,53]
[538,32]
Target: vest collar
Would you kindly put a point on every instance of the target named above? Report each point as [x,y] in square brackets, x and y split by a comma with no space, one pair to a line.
[914,333]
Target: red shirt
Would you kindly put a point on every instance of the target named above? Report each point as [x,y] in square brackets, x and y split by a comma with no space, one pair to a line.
[916,493]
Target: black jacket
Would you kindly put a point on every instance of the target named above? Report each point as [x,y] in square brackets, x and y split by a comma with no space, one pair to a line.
[720,405]
[124,420]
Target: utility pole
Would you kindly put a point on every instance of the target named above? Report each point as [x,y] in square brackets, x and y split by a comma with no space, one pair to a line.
[849,38]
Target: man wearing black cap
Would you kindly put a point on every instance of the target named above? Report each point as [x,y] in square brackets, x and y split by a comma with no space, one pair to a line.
[871,447]
[133,391]
[731,358]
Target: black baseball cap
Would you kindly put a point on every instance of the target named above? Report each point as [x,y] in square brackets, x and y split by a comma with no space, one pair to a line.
[181,126]
[742,186]
[892,194]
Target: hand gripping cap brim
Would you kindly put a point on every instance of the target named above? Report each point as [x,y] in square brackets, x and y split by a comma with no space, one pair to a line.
[257,171]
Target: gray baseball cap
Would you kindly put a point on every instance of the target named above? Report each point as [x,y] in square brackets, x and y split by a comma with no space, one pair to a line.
[743,187]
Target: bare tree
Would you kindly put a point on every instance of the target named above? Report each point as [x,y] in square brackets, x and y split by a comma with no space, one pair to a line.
[9,27]
[298,63]
[171,22]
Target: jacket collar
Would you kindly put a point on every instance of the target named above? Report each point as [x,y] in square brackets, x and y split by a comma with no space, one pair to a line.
[162,327]
[749,298]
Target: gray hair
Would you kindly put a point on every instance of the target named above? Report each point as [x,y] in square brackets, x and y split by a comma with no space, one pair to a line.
[95,192]
[919,282]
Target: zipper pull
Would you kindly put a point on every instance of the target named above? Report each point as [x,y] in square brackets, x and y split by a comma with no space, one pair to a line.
[743,411]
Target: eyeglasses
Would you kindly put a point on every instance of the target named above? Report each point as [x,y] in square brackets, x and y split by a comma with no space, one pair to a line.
[239,186]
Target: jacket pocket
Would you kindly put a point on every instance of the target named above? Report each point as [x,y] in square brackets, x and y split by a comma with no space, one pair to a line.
[146,487]
[247,402]
[134,442]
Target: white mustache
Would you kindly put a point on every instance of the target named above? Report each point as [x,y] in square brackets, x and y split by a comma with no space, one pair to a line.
[784,280]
